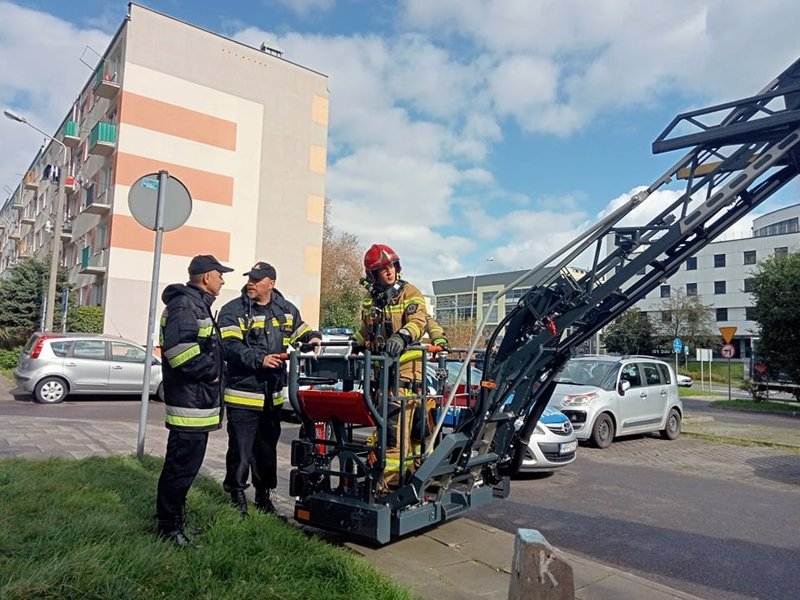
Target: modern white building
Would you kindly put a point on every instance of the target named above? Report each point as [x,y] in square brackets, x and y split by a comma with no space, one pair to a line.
[243,128]
[720,274]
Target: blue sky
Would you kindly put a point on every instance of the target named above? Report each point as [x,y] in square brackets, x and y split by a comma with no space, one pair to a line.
[460,129]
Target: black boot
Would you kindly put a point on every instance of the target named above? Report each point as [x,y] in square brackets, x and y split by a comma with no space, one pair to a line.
[194,530]
[172,531]
[264,502]
[239,500]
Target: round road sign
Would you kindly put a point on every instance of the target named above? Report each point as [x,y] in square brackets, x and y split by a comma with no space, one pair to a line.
[143,201]
[728,351]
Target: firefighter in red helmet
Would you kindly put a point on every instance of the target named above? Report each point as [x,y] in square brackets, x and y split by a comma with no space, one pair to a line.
[393,318]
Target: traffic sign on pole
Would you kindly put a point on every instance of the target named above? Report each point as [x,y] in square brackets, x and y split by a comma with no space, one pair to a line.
[727,333]
[677,345]
[728,351]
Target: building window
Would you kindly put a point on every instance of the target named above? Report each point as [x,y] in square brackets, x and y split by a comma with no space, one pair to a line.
[748,285]
[722,314]
[666,316]
[781,252]
[719,260]
[665,291]
[445,316]
[719,287]
[691,289]
[750,313]
[445,302]
[780,228]
[691,264]
[749,257]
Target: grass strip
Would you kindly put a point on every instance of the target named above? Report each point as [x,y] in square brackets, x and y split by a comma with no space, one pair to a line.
[86,529]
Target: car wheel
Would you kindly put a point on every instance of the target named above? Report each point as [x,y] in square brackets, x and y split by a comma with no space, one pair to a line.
[160,392]
[50,390]
[603,431]
[673,427]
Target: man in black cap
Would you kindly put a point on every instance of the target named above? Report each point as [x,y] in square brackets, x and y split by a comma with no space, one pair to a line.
[193,373]
[256,328]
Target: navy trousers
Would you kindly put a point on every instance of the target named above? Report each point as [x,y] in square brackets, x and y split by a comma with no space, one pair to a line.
[185,453]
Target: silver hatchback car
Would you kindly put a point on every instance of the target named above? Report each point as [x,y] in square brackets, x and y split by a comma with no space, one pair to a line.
[607,396]
[53,365]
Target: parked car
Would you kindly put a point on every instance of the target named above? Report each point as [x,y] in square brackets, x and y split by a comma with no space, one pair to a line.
[607,396]
[553,443]
[684,380]
[54,365]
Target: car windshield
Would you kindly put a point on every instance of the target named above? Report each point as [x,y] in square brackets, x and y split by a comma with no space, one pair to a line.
[452,373]
[598,373]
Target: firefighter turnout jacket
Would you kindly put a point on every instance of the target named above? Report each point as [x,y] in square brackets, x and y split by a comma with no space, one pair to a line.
[400,307]
[250,332]
[193,368]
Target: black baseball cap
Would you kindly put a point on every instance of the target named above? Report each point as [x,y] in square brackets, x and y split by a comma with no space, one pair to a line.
[205,263]
[262,269]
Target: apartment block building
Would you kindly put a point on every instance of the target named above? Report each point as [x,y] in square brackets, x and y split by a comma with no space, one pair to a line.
[243,128]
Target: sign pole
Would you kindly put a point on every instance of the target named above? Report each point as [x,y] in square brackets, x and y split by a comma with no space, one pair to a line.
[151,318]
[729,380]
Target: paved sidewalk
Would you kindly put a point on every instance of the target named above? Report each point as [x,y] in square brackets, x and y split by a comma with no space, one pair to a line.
[460,559]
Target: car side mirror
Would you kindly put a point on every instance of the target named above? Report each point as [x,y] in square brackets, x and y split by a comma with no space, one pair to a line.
[155,362]
[623,386]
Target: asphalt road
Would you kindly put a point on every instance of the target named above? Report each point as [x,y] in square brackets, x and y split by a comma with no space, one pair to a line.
[714,520]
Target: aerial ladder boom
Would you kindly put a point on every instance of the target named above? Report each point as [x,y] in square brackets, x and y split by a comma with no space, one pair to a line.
[740,153]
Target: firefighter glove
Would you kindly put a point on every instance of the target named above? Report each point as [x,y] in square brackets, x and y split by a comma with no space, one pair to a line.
[442,343]
[395,345]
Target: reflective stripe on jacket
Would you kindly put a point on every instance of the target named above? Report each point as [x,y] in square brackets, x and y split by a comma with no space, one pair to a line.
[406,311]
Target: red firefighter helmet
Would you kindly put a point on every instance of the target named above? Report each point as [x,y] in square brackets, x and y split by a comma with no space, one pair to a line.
[379,255]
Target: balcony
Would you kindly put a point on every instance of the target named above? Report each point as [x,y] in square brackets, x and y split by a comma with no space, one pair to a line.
[66,232]
[105,84]
[70,187]
[93,264]
[72,135]
[102,139]
[17,202]
[15,234]
[27,220]
[97,206]
[31,182]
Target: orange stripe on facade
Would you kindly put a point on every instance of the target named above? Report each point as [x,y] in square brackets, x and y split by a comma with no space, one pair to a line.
[202,185]
[184,241]
[172,119]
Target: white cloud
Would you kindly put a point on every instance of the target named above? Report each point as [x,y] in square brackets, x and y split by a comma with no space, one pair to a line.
[42,75]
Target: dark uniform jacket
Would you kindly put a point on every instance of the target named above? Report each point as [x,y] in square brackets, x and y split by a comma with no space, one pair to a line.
[192,360]
[249,333]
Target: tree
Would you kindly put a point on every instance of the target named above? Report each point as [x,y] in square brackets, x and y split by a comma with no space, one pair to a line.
[631,333]
[342,268]
[21,296]
[776,290]
[85,319]
[687,318]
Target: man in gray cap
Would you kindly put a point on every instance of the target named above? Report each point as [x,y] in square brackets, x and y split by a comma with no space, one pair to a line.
[193,381]
[256,328]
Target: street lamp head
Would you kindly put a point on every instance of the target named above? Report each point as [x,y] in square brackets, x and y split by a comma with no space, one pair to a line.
[14,116]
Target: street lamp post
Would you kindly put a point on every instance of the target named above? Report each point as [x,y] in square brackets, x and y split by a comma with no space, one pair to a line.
[474,277]
[57,225]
